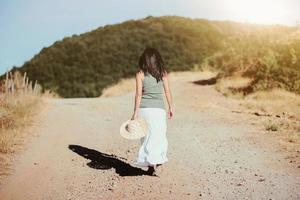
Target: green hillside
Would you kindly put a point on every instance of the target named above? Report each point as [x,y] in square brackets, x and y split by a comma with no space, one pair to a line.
[82,65]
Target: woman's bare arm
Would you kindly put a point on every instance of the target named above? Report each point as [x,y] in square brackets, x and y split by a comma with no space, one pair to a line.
[138,94]
[168,94]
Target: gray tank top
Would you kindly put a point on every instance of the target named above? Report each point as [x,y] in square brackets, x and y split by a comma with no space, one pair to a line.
[152,94]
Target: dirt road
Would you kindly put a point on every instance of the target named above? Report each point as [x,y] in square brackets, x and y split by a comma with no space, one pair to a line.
[214,153]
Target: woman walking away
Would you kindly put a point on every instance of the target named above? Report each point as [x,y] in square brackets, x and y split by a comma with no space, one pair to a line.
[151,83]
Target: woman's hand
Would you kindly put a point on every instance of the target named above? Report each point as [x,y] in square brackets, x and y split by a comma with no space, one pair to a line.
[170,112]
[134,116]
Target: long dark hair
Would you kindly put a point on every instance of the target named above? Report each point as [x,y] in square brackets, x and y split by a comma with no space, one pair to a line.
[151,62]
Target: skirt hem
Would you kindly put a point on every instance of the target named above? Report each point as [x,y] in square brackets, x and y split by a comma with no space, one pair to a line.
[147,163]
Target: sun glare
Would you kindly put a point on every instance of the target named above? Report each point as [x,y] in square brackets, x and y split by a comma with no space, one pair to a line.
[260,11]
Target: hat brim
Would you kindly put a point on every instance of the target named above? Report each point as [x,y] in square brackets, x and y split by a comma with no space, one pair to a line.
[130,136]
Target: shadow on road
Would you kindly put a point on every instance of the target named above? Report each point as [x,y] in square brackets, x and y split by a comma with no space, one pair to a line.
[104,161]
[210,81]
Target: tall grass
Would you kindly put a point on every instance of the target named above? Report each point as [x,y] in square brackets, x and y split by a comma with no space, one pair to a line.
[20,101]
[19,98]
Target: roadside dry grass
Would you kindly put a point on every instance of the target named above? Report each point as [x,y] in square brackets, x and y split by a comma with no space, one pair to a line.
[20,101]
[283,107]
[275,102]
[122,87]
[234,86]
[279,110]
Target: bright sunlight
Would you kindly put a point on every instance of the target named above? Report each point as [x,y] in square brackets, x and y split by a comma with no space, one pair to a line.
[261,11]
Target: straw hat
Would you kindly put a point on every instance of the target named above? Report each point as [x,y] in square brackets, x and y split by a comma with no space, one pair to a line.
[134,129]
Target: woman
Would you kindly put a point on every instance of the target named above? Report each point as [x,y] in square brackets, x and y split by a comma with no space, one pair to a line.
[151,83]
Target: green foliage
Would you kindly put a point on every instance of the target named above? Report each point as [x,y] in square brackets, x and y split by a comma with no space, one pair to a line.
[83,65]
[268,57]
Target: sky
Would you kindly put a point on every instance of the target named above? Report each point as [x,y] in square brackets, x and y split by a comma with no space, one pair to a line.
[28,26]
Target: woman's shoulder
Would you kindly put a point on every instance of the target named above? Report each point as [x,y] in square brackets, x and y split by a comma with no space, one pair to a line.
[140,74]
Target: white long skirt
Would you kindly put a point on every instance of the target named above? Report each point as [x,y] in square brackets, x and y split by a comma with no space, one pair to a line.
[154,145]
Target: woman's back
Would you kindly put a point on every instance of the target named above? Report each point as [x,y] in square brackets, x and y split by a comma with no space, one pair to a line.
[152,92]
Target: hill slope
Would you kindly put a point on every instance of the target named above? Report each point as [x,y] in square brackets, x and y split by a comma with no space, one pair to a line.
[83,65]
